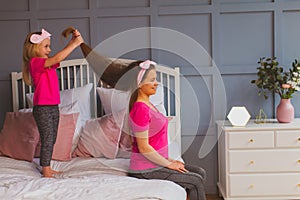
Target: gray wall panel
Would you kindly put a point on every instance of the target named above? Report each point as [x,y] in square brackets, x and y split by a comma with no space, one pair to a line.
[196,105]
[290,37]
[198,27]
[12,39]
[183,3]
[6,98]
[62,5]
[14,5]
[244,1]
[295,101]
[112,27]
[190,108]
[122,4]
[109,26]
[245,37]
[241,93]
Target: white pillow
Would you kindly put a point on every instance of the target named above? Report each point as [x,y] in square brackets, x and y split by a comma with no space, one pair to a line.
[80,94]
[158,99]
[113,100]
[29,99]
[26,110]
[83,97]
[116,100]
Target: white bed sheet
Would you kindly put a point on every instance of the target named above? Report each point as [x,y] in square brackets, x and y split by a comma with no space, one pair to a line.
[83,179]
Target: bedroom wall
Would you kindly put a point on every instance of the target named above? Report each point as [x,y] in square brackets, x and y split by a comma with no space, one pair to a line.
[235,33]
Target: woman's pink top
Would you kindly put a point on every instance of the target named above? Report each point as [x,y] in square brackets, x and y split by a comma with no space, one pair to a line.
[143,118]
[45,82]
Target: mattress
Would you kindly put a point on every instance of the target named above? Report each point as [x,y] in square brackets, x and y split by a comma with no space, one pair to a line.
[82,178]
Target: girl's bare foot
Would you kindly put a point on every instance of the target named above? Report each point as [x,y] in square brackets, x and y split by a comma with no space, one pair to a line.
[55,172]
[48,172]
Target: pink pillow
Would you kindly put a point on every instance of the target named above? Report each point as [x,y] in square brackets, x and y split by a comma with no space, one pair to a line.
[125,140]
[124,146]
[63,145]
[66,130]
[100,137]
[19,136]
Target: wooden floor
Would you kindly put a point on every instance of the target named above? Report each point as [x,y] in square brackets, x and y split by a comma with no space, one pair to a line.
[213,197]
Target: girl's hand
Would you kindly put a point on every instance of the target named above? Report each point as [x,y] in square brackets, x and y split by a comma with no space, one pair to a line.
[77,38]
[76,33]
[177,166]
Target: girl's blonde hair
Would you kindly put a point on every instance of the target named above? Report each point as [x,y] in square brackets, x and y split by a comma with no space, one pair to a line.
[30,50]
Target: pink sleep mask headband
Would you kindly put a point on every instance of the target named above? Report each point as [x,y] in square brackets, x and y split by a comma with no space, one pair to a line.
[144,66]
[36,38]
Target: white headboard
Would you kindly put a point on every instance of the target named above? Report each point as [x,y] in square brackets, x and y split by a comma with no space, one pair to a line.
[77,73]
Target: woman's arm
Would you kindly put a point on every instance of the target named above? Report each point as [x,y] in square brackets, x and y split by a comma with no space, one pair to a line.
[151,154]
[61,55]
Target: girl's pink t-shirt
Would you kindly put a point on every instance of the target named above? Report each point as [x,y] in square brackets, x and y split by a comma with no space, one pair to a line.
[142,118]
[45,82]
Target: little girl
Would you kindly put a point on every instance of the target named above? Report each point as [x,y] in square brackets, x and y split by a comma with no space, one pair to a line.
[39,70]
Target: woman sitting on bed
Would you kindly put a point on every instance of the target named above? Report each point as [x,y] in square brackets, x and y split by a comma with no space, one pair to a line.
[149,158]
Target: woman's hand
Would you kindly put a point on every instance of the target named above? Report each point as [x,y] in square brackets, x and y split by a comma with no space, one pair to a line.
[172,160]
[177,166]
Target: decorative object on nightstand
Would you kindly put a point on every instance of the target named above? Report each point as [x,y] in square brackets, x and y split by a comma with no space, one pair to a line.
[285,111]
[261,117]
[272,78]
[238,116]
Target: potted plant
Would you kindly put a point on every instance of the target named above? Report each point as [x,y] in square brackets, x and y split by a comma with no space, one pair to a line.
[272,78]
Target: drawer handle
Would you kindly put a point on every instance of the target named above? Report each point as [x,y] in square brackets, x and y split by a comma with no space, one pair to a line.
[298,185]
[251,162]
[298,139]
[252,186]
[298,161]
[251,140]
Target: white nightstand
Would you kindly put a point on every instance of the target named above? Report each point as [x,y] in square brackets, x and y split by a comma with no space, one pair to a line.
[259,161]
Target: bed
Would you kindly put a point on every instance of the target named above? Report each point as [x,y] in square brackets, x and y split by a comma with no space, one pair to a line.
[92,147]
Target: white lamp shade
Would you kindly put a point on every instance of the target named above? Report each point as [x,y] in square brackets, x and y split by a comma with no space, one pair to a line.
[238,116]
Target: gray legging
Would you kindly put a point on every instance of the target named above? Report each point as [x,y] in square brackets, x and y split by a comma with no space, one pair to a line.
[47,119]
[193,181]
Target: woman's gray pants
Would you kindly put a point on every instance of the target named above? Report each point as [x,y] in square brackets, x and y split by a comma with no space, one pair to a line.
[192,181]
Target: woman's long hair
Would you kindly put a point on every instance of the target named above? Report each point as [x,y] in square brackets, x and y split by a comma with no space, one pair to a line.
[29,51]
